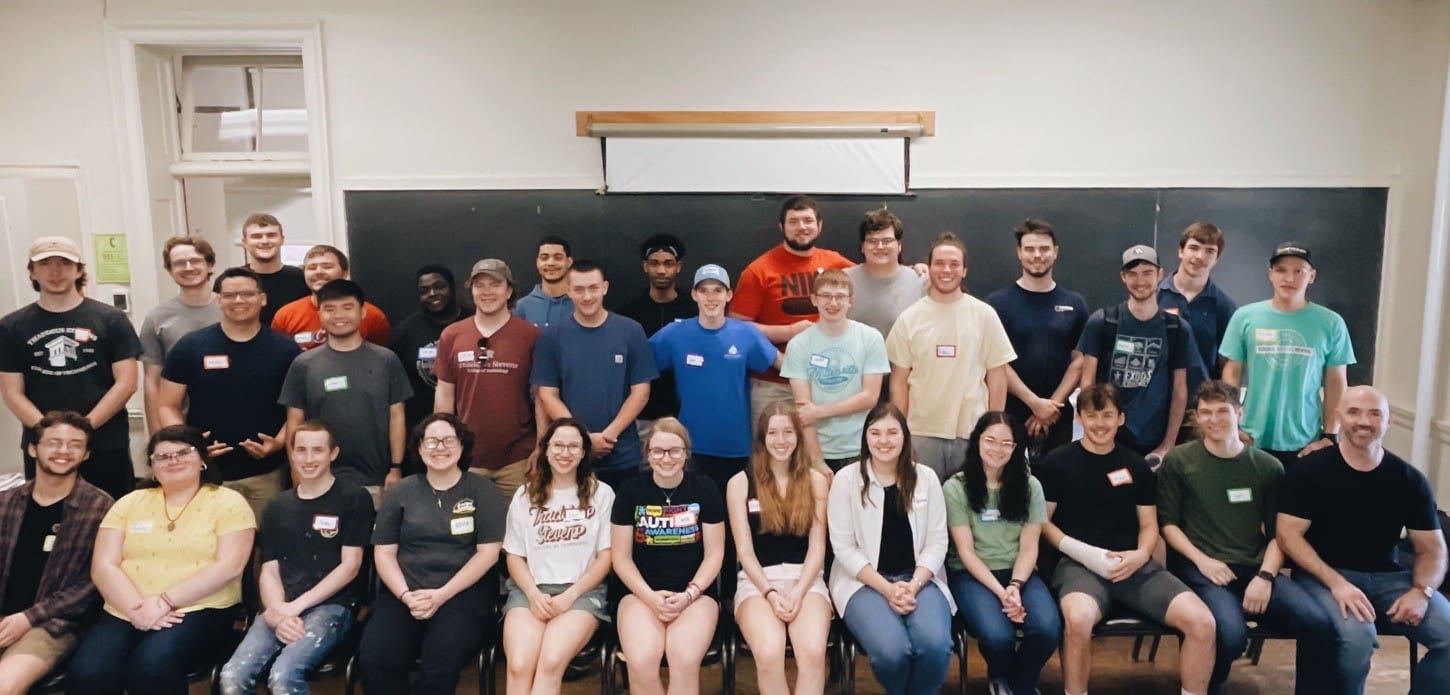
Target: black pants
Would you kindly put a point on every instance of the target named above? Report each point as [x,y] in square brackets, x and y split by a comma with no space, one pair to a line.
[116,656]
[441,646]
[110,471]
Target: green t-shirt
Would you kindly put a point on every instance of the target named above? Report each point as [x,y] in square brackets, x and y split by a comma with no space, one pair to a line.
[835,367]
[994,539]
[1284,358]
[1226,507]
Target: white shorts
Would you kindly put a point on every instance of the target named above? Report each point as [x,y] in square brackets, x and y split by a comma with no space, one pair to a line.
[783,578]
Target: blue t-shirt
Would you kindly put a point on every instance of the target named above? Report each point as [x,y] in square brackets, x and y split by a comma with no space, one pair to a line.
[542,310]
[594,368]
[232,388]
[1140,362]
[712,369]
[1044,328]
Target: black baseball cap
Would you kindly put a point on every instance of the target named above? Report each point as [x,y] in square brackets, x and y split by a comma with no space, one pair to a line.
[1291,248]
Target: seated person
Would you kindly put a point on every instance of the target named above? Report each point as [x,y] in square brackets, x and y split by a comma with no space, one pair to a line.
[667,545]
[888,526]
[312,540]
[1101,512]
[45,555]
[558,558]
[168,562]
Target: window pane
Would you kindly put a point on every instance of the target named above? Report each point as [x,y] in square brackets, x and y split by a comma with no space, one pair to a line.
[284,111]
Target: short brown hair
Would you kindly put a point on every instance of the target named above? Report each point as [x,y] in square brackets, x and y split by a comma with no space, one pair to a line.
[63,417]
[833,277]
[879,219]
[321,249]
[1206,233]
[201,245]
[261,219]
[948,239]
[1217,391]
[1098,396]
[1033,225]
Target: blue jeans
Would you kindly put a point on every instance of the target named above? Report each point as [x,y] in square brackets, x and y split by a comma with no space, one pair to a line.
[1290,608]
[115,656]
[325,625]
[1357,640]
[1019,665]
[909,654]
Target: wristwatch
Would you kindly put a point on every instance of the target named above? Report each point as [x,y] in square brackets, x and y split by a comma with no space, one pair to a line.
[1427,591]
[1331,436]
[1266,576]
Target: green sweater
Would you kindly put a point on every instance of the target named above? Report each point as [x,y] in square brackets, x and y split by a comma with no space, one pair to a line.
[1226,507]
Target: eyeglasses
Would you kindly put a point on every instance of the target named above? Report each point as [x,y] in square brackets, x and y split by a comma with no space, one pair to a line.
[248,296]
[562,448]
[881,242]
[675,453]
[432,443]
[188,262]
[62,444]
[828,297]
[173,456]
[998,443]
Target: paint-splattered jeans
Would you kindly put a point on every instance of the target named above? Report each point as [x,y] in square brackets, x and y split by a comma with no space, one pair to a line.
[325,625]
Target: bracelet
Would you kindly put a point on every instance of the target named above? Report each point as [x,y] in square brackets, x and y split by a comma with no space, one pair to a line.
[769,591]
[1019,583]
[695,587]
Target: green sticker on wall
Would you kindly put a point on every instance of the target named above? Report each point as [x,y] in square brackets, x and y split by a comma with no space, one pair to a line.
[113,263]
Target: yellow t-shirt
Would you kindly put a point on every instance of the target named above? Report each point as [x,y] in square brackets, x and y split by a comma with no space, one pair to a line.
[155,559]
[949,348]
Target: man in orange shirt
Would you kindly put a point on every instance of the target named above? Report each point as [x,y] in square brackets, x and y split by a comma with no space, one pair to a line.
[300,319]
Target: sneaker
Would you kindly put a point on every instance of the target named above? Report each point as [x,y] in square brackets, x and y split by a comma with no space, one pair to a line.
[998,687]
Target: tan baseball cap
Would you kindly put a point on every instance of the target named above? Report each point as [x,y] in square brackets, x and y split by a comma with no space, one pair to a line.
[492,267]
[53,246]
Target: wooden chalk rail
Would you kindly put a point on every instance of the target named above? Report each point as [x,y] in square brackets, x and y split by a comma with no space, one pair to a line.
[755,123]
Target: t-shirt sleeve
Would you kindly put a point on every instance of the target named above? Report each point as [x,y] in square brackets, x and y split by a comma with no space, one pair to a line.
[1036,503]
[120,512]
[874,361]
[1170,490]
[712,508]
[357,528]
[294,386]
[375,328]
[178,367]
[1091,342]
[516,524]
[151,350]
[488,511]
[125,344]
[622,513]
[1421,514]
[232,512]
[604,499]
[996,346]
[1145,483]
[1080,312]
[445,363]
[1340,351]
[1050,477]
[1296,491]
[659,346]
[763,352]
[11,356]
[1182,350]
[641,357]
[749,294]
[1226,309]
[399,389]
[389,521]
[954,496]
[1232,346]
[898,343]
[545,371]
[793,366]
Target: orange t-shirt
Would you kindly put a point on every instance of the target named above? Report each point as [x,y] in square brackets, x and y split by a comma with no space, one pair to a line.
[775,289]
[300,320]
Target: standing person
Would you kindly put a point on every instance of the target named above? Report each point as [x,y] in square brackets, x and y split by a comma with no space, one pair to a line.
[437,535]
[1191,293]
[557,542]
[884,287]
[415,340]
[712,357]
[231,373]
[595,366]
[668,539]
[1144,352]
[262,240]
[1044,322]
[1101,516]
[1285,351]
[774,290]
[888,527]
[189,262]
[949,357]
[835,368]
[662,256]
[995,513]
[301,318]
[1217,498]
[777,510]
[47,535]
[67,352]
[356,387]
[549,302]
[483,370]
[1341,511]
[168,562]
[312,540]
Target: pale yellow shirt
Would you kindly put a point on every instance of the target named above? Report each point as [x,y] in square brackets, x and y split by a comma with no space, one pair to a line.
[949,348]
[155,559]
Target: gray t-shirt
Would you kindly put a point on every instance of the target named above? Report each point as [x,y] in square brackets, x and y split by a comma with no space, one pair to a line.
[877,303]
[438,531]
[168,322]
[351,391]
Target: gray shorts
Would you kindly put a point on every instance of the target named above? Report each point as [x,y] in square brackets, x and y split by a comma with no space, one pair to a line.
[1148,592]
[595,602]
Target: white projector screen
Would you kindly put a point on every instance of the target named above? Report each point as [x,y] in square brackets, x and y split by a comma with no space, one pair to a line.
[755,165]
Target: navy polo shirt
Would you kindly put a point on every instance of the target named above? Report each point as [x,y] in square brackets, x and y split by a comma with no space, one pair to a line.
[1208,314]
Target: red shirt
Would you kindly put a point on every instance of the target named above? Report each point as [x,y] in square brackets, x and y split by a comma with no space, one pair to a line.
[491,392]
[301,321]
[775,289]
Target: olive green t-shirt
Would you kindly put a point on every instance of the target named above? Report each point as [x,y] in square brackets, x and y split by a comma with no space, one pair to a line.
[1226,507]
[994,539]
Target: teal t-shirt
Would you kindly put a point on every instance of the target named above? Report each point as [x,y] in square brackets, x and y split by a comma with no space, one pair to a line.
[835,366]
[1284,356]
[994,539]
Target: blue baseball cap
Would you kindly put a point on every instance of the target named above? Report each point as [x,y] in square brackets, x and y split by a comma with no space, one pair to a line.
[710,271]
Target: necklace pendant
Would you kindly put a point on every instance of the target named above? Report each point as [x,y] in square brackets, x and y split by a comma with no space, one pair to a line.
[170,526]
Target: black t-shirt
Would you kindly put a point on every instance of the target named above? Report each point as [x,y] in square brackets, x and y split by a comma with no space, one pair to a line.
[415,341]
[652,316]
[1355,517]
[438,531]
[1097,495]
[1044,328]
[232,388]
[282,287]
[306,537]
[898,547]
[669,541]
[66,359]
[32,547]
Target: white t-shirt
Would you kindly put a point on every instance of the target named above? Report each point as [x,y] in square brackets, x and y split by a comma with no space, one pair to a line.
[560,540]
[949,349]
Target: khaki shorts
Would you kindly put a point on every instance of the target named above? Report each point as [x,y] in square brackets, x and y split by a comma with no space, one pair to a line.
[508,479]
[763,393]
[38,643]
[258,490]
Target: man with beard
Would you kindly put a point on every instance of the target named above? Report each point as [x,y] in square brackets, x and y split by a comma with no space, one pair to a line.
[415,340]
[47,535]
[1191,293]
[189,262]
[262,239]
[549,302]
[1043,321]
[774,291]
[301,320]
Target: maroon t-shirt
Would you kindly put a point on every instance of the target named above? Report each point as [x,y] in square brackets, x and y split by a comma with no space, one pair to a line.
[491,387]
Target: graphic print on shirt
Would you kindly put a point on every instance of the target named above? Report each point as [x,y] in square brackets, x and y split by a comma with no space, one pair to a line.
[423,363]
[562,527]
[672,524]
[66,351]
[1281,347]
[795,293]
[832,369]
[1134,361]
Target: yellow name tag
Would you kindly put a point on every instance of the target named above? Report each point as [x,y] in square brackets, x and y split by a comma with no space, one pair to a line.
[48,544]
[461,525]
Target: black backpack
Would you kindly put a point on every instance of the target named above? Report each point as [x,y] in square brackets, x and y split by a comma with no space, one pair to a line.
[1197,374]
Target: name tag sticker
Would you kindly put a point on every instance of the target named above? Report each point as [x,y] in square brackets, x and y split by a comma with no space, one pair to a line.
[1266,335]
[1062,308]
[818,360]
[946,351]
[302,338]
[991,515]
[1120,477]
[752,505]
[324,522]
[143,526]
[48,544]
[216,362]
[428,353]
[465,355]
[84,335]
[461,525]
[1240,495]
[1121,345]
[334,383]
[618,358]
[695,360]
[1171,310]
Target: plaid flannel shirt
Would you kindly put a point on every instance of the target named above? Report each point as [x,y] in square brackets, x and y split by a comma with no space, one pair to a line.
[66,594]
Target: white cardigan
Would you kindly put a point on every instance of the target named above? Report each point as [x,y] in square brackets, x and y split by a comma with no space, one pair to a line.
[856,530]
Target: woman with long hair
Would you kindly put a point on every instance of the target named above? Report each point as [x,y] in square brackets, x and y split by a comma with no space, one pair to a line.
[777,510]
[558,557]
[995,512]
[168,562]
[888,527]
